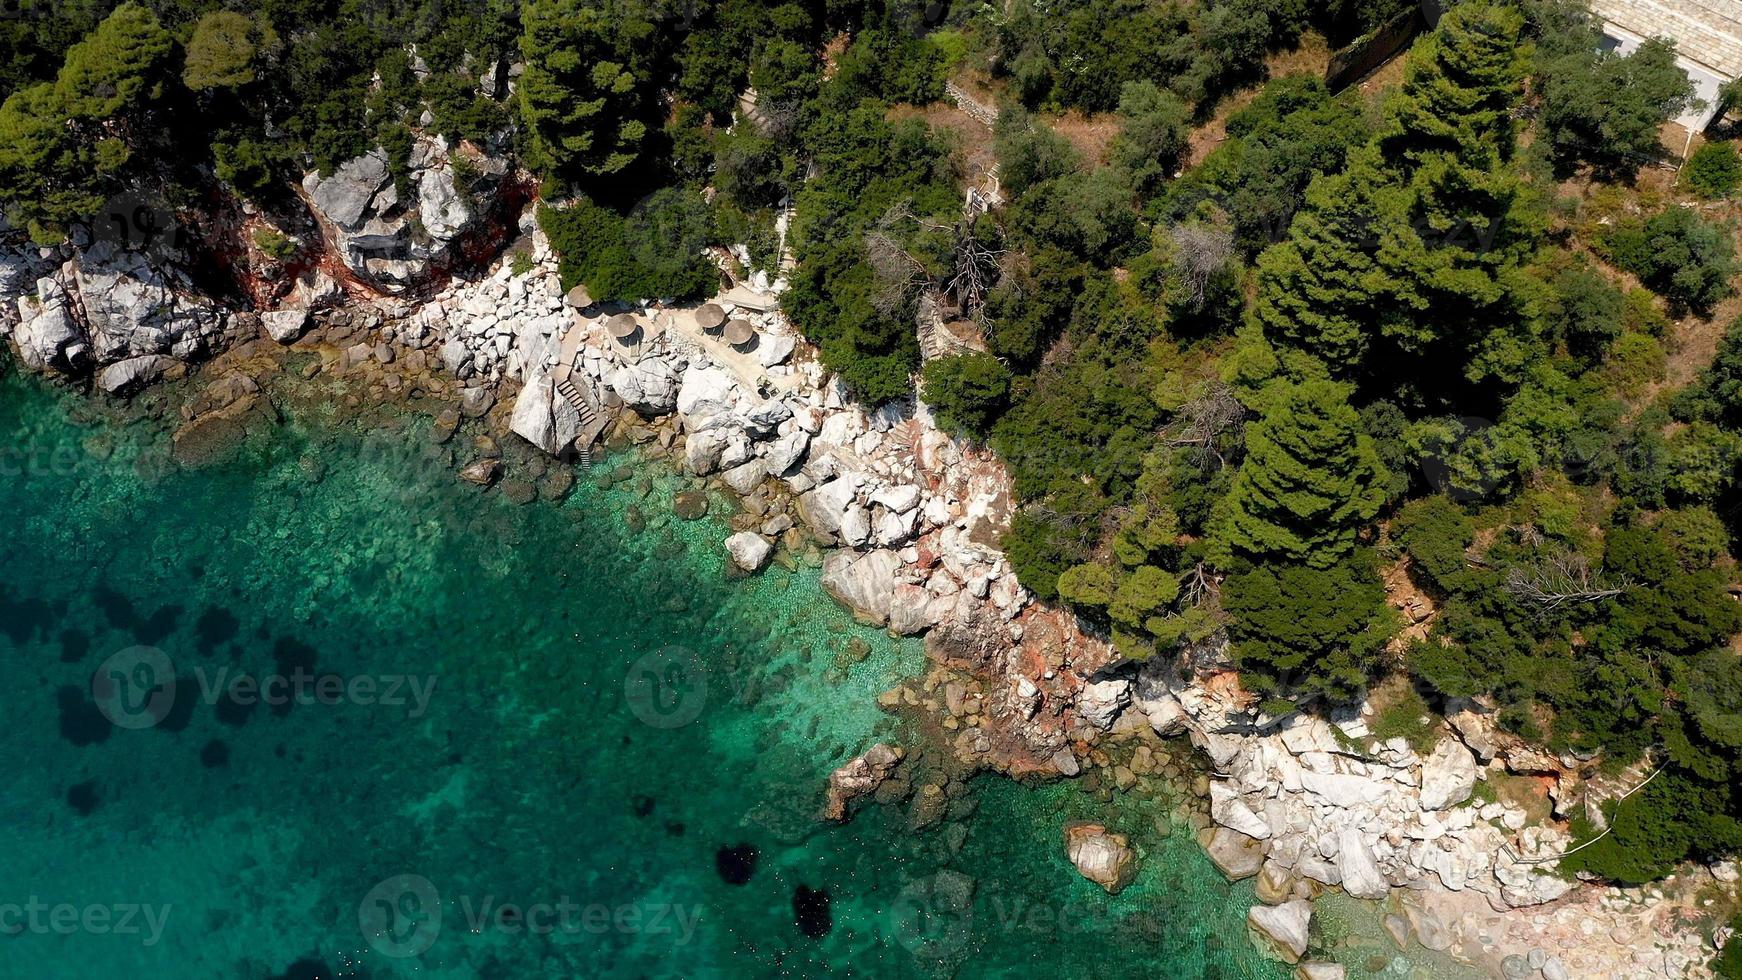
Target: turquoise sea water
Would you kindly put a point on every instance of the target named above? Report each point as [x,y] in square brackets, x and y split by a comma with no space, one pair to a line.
[550,740]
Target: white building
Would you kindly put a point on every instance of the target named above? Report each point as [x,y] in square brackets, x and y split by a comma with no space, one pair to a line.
[1707,36]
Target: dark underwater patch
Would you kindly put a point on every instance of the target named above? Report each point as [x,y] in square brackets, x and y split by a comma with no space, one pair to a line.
[82,797]
[810,909]
[737,865]
[81,722]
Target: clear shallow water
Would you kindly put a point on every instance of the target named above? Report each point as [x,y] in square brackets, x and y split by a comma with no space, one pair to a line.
[532,706]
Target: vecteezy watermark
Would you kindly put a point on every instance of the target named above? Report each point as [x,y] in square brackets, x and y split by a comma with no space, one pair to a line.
[934,915]
[401,917]
[667,688]
[137,688]
[40,918]
[937,917]
[38,460]
[304,687]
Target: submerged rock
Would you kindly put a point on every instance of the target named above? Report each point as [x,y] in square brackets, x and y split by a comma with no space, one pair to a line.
[1100,855]
[860,776]
[750,551]
[1283,927]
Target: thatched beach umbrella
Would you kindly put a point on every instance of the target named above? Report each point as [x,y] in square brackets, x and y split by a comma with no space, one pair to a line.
[578,298]
[739,332]
[709,317]
[622,326]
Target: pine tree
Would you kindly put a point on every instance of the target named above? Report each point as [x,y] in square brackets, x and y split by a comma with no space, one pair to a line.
[63,144]
[1416,247]
[579,95]
[1311,480]
[1317,290]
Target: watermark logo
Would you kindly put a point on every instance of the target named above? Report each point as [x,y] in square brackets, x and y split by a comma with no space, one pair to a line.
[135,688]
[934,915]
[133,221]
[401,917]
[40,918]
[667,688]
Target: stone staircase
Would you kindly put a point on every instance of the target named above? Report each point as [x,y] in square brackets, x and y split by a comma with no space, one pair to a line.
[589,419]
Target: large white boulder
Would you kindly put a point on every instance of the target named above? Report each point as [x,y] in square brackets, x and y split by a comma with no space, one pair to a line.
[649,386]
[864,583]
[543,417]
[1283,927]
[1360,870]
[1100,855]
[749,550]
[1099,702]
[705,394]
[1448,776]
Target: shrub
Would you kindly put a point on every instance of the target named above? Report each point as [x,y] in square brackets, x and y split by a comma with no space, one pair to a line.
[967,391]
[654,252]
[1687,260]
[1585,312]
[1714,171]
[1406,715]
[1435,532]
[274,243]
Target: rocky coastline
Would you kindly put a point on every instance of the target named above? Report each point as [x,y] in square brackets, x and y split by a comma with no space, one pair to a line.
[910,519]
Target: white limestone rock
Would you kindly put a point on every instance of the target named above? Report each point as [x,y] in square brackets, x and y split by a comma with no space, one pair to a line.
[863,583]
[133,372]
[1358,867]
[544,417]
[1284,927]
[750,551]
[1099,702]
[1448,776]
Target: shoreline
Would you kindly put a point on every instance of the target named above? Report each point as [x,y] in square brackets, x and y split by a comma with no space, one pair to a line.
[912,518]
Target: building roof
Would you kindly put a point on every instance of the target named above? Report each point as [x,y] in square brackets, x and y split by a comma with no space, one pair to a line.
[1708,32]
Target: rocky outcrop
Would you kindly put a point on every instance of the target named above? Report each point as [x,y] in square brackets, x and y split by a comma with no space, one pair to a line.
[135,372]
[1326,801]
[859,777]
[391,233]
[649,386]
[1282,928]
[103,305]
[1100,855]
[1234,854]
[865,583]
[1448,775]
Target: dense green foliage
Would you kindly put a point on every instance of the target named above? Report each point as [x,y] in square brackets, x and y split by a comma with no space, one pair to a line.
[1689,260]
[1713,171]
[1311,481]
[652,252]
[1601,108]
[967,391]
[1365,336]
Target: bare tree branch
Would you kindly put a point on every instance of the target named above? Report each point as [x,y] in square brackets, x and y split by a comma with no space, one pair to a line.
[1204,421]
[1201,252]
[1562,580]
